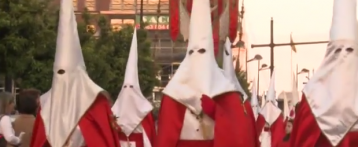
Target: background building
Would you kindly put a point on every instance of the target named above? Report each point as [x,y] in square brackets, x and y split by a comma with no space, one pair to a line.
[166,54]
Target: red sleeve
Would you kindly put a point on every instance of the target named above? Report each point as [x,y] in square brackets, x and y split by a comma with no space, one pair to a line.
[96,125]
[260,124]
[170,122]
[148,124]
[250,113]
[233,123]
[38,133]
[277,131]
[305,132]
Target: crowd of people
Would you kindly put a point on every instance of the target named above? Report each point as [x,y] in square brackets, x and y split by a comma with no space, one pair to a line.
[203,105]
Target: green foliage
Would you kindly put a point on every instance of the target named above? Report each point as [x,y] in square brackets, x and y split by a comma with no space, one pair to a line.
[28,42]
[241,76]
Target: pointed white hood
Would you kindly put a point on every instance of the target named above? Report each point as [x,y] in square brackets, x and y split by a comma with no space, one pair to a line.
[199,73]
[286,108]
[72,91]
[295,93]
[254,102]
[270,111]
[332,91]
[229,70]
[131,107]
[263,100]
[44,97]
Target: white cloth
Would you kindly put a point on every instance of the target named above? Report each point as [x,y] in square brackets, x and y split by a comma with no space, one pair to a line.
[270,111]
[131,107]
[146,141]
[332,91]
[199,73]
[192,130]
[254,101]
[265,139]
[72,91]
[7,131]
[229,69]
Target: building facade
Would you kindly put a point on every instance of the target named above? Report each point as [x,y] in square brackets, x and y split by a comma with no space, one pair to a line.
[166,53]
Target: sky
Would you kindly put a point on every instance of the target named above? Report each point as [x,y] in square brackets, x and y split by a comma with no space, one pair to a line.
[308,20]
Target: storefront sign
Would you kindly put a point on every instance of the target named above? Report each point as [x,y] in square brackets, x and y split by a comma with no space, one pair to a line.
[154,22]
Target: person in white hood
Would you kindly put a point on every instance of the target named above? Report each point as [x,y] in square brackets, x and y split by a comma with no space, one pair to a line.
[328,113]
[76,111]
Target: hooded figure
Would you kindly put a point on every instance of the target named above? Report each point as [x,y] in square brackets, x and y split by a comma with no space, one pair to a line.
[271,124]
[328,113]
[77,110]
[132,109]
[229,71]
[254,102]
[200,105]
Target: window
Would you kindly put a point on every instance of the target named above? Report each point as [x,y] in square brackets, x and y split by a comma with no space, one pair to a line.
[116,4]
[90,5]
[75,5]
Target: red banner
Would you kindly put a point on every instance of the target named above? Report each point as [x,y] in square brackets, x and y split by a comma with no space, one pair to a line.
[234,16]
[174,19]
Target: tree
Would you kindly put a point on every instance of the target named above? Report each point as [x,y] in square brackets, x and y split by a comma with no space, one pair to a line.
[106,56]
[115,47]
[27,41]
[241,76]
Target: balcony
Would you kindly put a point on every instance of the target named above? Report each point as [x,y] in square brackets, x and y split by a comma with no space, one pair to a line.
[133,6]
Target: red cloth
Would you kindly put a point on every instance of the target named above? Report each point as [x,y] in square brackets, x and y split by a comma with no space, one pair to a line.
[284,144]
[306,133]
[250,114]
[149,128]
[95,126]
[277,131]
[231,123]
[260,124]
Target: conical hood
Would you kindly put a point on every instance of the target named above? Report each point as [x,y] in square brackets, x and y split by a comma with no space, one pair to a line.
[44,97]
[72,92]
[263,99]
[254,102]
[344,21]
[199,73]
[286,108]
[200,35]
[295,93]
[229,68]
[332,90]
[270,111]
[271,93]
[68,49]
[131,74]
[131,107]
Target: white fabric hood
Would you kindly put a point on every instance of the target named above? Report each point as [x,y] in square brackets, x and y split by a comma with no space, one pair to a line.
[332,91]
[270,111]
[199,73]
[72,91]
[229,70]
[131,107]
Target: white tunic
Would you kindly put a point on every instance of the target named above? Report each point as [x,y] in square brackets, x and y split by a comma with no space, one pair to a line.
[191,129]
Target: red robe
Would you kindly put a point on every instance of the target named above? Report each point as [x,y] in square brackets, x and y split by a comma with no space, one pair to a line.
[250,113]
[148,125]
[95,126]
[232,125]
[277,129]
[306,133]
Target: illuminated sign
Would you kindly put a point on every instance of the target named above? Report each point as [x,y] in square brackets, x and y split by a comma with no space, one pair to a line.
[154,22]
